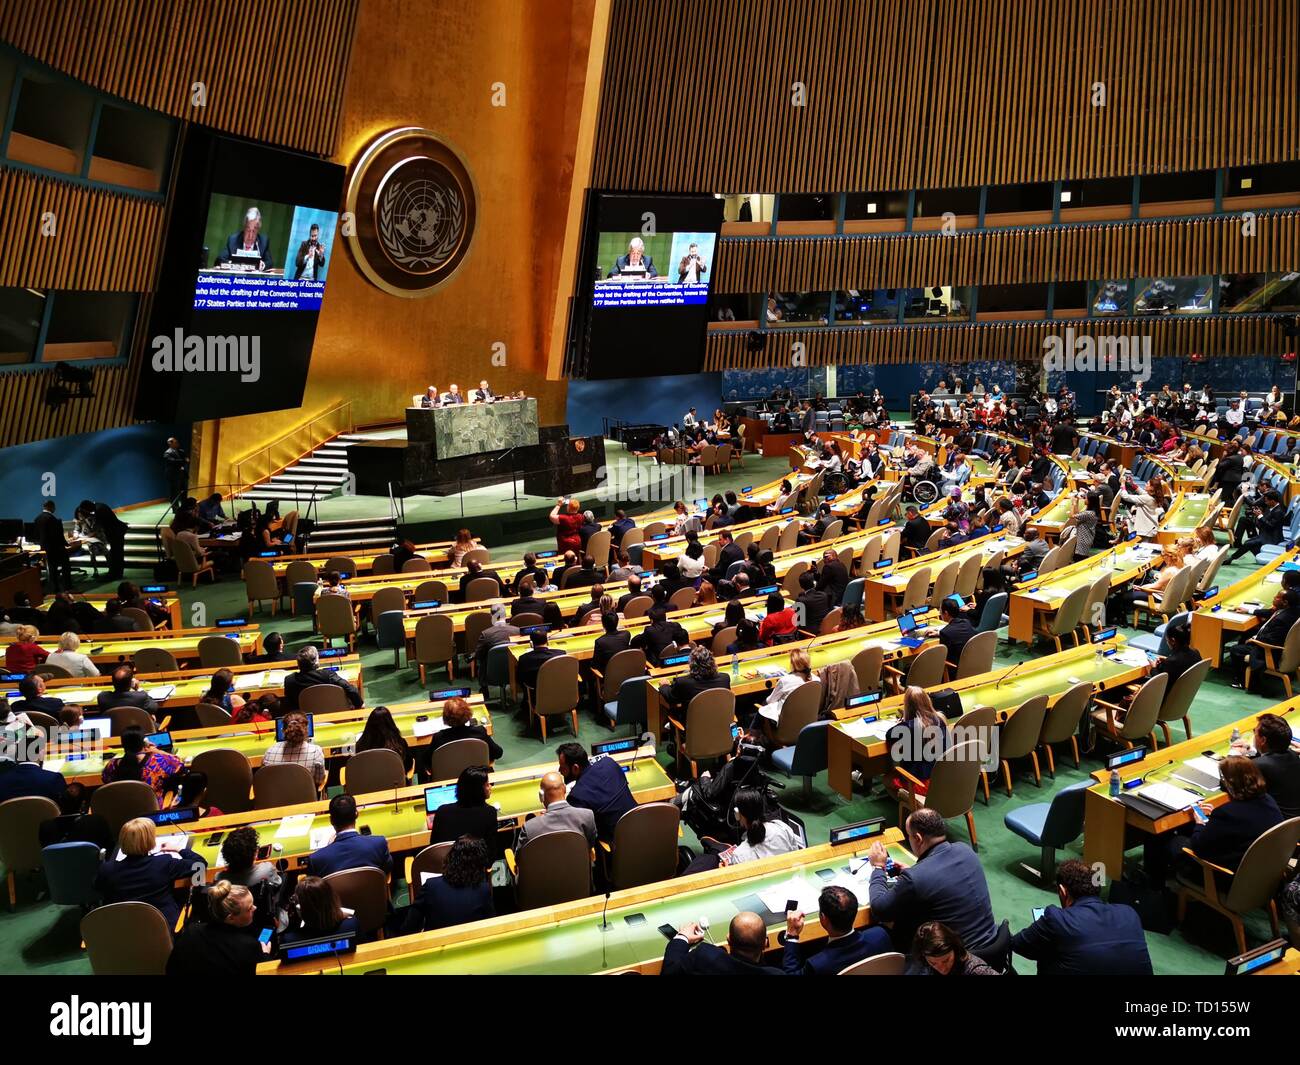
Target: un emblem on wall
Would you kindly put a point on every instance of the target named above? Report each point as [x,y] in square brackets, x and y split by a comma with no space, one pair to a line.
[414,205]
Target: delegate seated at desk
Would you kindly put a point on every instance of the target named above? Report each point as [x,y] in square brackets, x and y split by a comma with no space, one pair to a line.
[635,262]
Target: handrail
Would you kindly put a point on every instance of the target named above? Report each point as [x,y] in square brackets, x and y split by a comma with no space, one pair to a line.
[289,448]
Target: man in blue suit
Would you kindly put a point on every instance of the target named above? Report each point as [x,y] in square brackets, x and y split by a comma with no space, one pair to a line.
[946,884]
[599,786]
[350,849]
[845,945]
[24,777]
[1085,936]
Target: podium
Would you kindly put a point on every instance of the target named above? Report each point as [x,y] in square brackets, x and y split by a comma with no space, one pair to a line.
[473,428]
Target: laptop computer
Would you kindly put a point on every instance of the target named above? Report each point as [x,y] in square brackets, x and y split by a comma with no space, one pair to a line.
[907,625]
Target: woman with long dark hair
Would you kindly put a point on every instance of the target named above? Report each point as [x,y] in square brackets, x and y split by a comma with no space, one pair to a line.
[318,911]
[759,838]
[221,692]
[937,950]
[140,760]
[463,892]
[381,733]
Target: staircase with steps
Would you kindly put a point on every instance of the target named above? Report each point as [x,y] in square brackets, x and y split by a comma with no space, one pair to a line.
[320,474]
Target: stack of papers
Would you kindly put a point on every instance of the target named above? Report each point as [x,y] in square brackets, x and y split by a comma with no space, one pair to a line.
[161,693]
[1234,615]
[244,681]
[175,842]
[294,826]
[275,677]
[861,729]
[1200,772]
[1168,795]
[1131,656]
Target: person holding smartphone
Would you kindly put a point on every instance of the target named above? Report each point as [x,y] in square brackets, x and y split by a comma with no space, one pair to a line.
[224,945]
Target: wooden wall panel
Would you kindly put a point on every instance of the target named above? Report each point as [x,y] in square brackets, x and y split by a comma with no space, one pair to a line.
[102,241]
[901,345]
[941,93]
[274,69]
[1165,248]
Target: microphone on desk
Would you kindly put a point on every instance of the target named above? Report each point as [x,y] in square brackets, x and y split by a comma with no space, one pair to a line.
[1009,673]
[604,923]
[646,738]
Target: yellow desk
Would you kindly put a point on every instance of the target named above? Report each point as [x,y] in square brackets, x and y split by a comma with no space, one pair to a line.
[1230,612]
[114,647]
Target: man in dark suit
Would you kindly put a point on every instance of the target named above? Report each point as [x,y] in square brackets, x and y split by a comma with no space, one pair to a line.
[946,884]
[1229,473]
[474,568]
[956,632]
[126,692]
[610,643]
[728,555]
[310,674]
[1279,762]
[633,592]
[530,662]
[582,616]
[622,523]
[1284,614]
[1181,657]
[558,814]
[812,604]
[916,530]
[311,256]
[250,240]
[833,578]
[499,632]
[1085,936]
[53,541]
[527,603]
[32,690]
[587,575]
[1268,524]
[658,634]
[350,849]
[25,777]
[113,531]
[688,955]
[845,945]
[588,529]
[635,262]
[599,786]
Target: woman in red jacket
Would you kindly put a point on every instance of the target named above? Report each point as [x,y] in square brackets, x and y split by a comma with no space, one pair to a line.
[566,516]
[25,654]
[779,621]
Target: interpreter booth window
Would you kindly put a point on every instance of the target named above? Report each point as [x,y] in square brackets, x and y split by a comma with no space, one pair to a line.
[88,325]
[1173,295]
[937,209]
[1098,200]
[1259,293]
[1018,205]
[936,303]
[8,75]
[1027,302]
[747,207]
[798,309]
[1108,299]
[739,307]
[855,306]
[1280,181]
[806,207]
[51,126]
[868,205]
[131,148]
[1197,186]
[1071,299]
[21,312]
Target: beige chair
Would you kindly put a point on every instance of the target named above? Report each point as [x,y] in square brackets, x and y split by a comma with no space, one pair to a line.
[167,539]
[386,599]
[322,699]
[917,591]
[121,718]
[924,669]
[622,666]
[833,530]
[1094,609]
[982,722]
[800,708]
[377,770]
[430,860]
[50,672]
[435,644]
[645,846]
[709,458]
[681,599]
[944,584]
[953,781]
[552,868]
[1061,722]
[1138,722]
[790,584]
[122,801]
[632,537]
[127,939]
[476,554]
[932,541]
[1168,602]
[1280,662]
[475,623]
[340,564]
[706,732]
[416,564]
[523,621]
[1066,620]
[211,715]
[868,664]
[382,565]
[891,964]
[598,546]
[364,891]
[300,571]
[143,622]
[335,619]
[1177,705]
[260,584]
[1252,886]
[430,591]
[654,529]
[767,542]
[557,692]
[218,651]
[230,779]
[156,660]
[188,564]
[452,759]
[968,577]
[977,655]
[482,588]
[871,553]
[1019,734]
[831,622]
[1212,571]
[287,784]
[637,607]
[20,845]
[724,639]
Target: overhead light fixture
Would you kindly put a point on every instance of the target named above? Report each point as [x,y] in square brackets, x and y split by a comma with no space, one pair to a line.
[1247,183]
[1066,195]
[871,208]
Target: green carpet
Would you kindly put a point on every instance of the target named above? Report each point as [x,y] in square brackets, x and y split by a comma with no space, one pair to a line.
[41,938]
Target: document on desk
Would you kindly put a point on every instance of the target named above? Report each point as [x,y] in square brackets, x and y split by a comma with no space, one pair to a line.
[1236,616]
[177,841]
[244,681]
[294,826]
[861,729]
[321,837]
[1132,656]
[275,677]
[161,693]
[1168,795]
[797,888]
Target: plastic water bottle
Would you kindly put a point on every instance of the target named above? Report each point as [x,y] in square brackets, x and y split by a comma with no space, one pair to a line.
[735,668]
[1235,740]
[1115,784]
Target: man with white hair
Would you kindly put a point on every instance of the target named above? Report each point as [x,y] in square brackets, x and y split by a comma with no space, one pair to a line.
[636,263]
[310,674]
[499,632]
[249,245]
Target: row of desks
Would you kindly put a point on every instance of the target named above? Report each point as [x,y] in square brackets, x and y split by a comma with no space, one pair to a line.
[110,648]
[620,934]
[1231,611]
